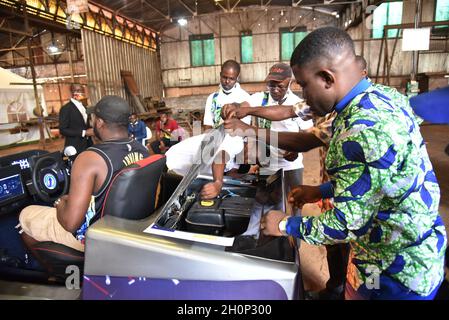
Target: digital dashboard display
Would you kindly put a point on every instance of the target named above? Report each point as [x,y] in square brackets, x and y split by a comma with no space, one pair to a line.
[11,187]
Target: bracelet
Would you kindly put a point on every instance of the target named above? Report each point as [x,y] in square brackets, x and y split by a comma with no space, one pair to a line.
[57,202]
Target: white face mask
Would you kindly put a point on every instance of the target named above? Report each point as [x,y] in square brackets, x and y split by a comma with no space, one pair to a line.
[228,91]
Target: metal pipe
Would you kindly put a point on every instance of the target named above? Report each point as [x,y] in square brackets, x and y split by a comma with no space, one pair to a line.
[415,53]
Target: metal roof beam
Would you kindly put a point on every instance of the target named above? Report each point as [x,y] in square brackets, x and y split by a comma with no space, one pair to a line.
[219,5]
[235,5]
[188,8]
[125,6]
[155,9]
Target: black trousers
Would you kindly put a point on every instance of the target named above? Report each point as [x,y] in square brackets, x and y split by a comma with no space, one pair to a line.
[337,260]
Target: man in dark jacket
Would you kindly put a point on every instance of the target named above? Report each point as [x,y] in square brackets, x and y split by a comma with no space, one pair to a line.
[73,123]
[137,129]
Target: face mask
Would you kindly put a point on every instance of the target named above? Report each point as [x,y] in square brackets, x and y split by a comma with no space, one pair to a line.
[228,91]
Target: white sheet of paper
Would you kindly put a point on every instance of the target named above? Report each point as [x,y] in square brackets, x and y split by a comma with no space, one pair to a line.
[415,39]
[197,237]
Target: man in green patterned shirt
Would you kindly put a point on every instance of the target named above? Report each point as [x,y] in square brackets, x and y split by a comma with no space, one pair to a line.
[385,191]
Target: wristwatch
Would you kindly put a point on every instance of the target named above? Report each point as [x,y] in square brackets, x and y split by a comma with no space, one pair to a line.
[283,226]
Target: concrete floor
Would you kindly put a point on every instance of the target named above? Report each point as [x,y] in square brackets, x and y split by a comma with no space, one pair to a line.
[313,258]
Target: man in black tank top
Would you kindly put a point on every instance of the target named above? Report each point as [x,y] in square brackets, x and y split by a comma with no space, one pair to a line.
[92,172]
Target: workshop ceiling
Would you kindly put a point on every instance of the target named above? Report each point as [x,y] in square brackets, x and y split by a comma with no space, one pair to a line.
[161,14]
[157,15]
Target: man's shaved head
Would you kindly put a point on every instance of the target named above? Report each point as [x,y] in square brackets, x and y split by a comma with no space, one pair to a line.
[325,66]
[231,64]
[323,43]
[229,74]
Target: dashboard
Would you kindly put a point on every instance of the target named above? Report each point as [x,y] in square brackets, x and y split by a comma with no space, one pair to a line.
[11,185]
[15,180]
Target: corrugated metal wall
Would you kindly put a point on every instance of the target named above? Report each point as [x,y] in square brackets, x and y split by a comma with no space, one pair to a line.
[104,58]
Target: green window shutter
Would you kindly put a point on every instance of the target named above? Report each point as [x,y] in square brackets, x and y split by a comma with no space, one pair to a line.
[298,38]
[380,19]
[196,52]
[394,17]
[209,52]
[247,49]
[442,10]
[287,45]
[386,14]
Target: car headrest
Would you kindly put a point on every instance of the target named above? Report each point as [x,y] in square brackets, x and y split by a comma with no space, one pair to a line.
[132,192]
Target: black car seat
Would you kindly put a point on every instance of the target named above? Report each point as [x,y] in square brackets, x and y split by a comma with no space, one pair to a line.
[131,195]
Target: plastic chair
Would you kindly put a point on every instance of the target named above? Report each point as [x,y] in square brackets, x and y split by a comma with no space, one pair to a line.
[149,136]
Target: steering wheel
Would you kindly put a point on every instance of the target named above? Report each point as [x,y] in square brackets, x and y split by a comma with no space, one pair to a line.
[50,179]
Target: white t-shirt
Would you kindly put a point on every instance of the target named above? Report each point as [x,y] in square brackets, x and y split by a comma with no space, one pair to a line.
[180,157]
[290,125]
[236,94]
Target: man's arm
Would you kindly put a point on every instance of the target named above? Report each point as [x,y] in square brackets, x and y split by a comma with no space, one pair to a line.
[357,193]
[88,173]
[213,189]
[291,141]
[208,117]
[273,113]
[242,110]
[158,131]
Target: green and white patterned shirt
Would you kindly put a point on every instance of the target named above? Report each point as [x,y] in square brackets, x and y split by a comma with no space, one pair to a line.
[386,195]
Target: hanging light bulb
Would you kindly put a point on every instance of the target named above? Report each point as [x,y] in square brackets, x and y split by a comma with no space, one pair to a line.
[182,22]
[53,49]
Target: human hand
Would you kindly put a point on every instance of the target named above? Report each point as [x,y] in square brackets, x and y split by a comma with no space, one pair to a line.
[236,127]
[229,110]
[235,110]
[301,195]
[254,169]
[89,132]
[290,155]
[269,224]
[211,190]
